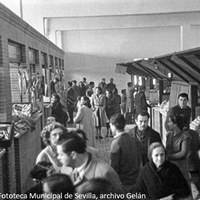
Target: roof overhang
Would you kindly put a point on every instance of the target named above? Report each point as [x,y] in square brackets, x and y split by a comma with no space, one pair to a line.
[143,67]
[185,65]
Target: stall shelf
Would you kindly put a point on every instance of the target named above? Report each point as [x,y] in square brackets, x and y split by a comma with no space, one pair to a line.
[158,122]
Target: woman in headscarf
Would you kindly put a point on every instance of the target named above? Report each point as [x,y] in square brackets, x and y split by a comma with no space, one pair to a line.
[160,178]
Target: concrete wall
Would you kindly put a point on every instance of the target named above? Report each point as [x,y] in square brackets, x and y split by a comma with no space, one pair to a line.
[94,53]
[94,45]
[34,11]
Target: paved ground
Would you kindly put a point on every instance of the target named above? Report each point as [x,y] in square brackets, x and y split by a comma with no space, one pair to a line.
[103,145]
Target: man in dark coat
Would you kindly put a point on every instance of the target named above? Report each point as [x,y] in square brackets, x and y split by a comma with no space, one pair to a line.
[111,86]
[70,101]
[181,109]
[103,85]
[140,100]
[124,155]
[144,135]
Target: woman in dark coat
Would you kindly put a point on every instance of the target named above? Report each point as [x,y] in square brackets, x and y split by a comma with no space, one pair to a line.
[117,98]
[178,144]
[160,178]
[57,110]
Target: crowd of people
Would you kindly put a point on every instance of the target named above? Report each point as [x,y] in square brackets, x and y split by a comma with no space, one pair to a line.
[140,164]
[103,100]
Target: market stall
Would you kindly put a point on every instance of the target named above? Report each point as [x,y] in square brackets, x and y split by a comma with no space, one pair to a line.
[28,62]
[157,85]
[172,74]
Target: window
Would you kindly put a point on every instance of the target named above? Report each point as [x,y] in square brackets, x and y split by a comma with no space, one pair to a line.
[51,64]
[56,62]
[15,52]
[63,65]
[33,57]
[60,63]
[44,60]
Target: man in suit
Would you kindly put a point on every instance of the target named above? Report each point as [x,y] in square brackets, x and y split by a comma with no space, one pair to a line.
[181,109]
[144,134]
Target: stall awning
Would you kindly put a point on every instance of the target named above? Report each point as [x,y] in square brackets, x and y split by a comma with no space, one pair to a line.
[184,64]
[143,68]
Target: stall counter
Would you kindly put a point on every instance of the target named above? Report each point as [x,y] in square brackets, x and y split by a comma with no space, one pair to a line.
[158,122]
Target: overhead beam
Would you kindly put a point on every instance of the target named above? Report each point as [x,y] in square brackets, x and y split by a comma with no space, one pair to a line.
[197,56]
[131,69]
[172,70]
[180,67]
[183,61]
[141,69]
[148,65]
[150,73]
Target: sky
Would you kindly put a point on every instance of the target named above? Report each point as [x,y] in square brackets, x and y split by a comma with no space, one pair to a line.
[13,5]
[30,14]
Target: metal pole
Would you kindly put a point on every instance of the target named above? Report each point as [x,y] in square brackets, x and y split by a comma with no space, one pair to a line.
[21,9]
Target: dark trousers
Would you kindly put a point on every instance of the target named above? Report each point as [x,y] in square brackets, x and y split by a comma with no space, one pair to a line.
[71,112]
[195,178]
